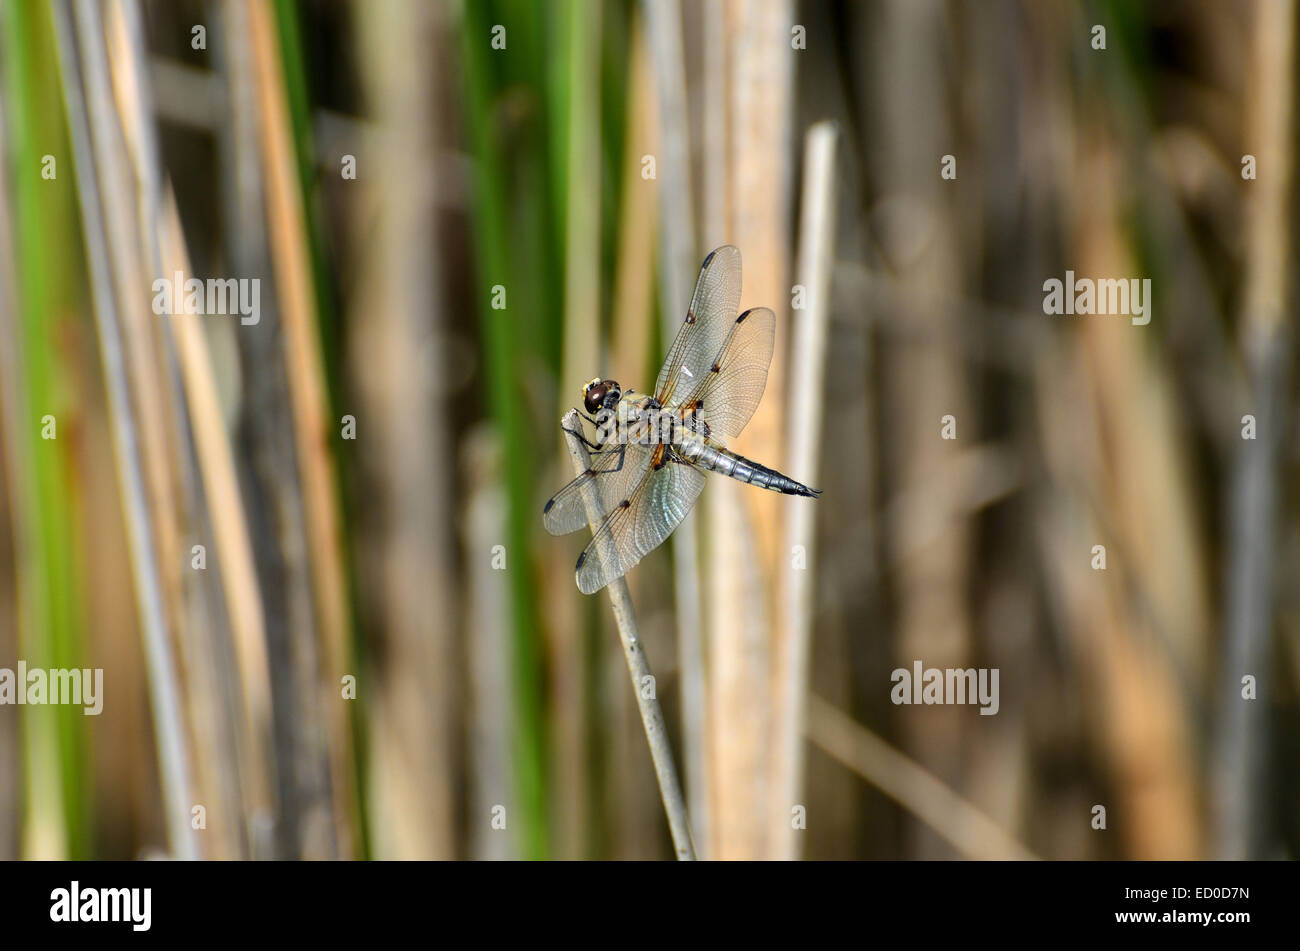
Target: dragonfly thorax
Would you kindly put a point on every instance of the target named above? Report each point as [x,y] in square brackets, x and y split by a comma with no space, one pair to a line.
[638,418]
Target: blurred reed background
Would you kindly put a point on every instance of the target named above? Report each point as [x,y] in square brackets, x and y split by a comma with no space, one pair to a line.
[576,160]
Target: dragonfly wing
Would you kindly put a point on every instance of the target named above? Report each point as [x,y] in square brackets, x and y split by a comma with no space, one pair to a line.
[702,333]
[638,524]
[614,472]
[733,385]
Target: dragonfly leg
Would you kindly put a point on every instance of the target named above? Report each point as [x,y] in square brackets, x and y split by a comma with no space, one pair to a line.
[581,435]
[585,416]
[622,457]
[602,470]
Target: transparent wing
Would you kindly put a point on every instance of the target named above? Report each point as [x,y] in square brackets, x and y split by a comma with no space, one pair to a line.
[615,472]
[708,320]
[733,385]
[638,524]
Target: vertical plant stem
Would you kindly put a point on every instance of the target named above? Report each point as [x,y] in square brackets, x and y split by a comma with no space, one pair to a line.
[243,773]
[310,405]
[409,570]
[31,376]
[18,480]
[173,751]
[760,91]
[638,667]
[1240,743]
[795,587]
[581,339]
[677,263]
[633,295]
[487,618]
[497,264]
[234,548]
[743,526]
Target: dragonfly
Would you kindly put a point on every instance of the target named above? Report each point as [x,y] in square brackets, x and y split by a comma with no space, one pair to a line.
[650,453]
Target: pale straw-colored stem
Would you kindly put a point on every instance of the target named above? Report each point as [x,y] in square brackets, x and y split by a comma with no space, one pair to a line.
[164,689]
[678,259]
[1240,757]
[807,362]
[643,683]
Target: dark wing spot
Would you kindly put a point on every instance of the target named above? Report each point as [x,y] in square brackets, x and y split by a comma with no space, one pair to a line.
[581,559]
[625,504]
[715,368]
[690,316]
[741,318]
[708,258]
[549,504]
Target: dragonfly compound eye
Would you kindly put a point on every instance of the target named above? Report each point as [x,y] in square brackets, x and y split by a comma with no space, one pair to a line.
[593,395]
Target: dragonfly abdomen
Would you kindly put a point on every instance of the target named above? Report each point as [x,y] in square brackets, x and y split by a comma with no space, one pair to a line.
[728,463]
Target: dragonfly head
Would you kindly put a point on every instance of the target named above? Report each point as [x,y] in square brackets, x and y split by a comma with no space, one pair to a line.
[600,394]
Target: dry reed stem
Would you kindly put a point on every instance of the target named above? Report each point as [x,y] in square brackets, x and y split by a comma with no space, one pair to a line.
[638,666]
[165,694]
[761,96]
[305,371]
[157,441]
[677,265]
[408,565]
[1137,622]
[743,525]
[632,346]
[487,641]
[195,624]
[151,395]
[807,403]
[234,549]
[1240,784]
[638,217]
[160,228]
